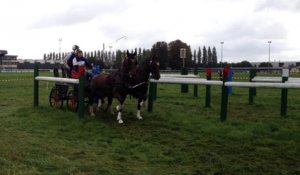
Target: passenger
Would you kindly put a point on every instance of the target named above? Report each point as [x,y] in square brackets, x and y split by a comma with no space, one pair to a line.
[96,69]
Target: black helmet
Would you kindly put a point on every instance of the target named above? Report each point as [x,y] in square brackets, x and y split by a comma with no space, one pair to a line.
[75,47]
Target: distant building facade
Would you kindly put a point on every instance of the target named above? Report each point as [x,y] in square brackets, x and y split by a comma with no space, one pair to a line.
[7,61]
[289,64]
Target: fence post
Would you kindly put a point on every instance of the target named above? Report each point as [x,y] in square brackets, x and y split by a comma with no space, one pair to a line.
[251,89]
[195,86]
[150,97]
[35,85]
[184,87]
[55,71]
[208,87]
[81,96]
[224,100]
[63,72]
[284,93]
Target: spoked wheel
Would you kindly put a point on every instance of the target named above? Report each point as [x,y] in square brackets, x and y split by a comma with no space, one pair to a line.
[72,101]
[55,98]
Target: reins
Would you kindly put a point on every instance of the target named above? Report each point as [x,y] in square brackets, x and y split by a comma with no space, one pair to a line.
[137,85]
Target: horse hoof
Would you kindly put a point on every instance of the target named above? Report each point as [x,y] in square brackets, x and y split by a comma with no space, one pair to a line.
[92,115]
[139,117]
[121,121]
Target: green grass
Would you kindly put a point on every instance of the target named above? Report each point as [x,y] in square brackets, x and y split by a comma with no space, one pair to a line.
[179,137]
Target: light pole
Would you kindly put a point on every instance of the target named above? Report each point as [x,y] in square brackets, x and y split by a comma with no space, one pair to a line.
[59,40]
[221,53]
[269,53]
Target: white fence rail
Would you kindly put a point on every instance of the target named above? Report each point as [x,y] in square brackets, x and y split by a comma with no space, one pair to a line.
[198,81]
[57,79]
[170,80]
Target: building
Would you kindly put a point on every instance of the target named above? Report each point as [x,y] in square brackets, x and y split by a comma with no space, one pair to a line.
[289,64]
[7,61]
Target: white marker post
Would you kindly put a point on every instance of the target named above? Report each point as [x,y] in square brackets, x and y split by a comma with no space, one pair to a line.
[184,87]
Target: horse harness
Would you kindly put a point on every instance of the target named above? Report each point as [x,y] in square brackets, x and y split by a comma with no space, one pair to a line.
[139,84]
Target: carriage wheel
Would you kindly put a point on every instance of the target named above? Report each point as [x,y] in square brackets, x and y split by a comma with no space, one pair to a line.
[72,101]
[55,99]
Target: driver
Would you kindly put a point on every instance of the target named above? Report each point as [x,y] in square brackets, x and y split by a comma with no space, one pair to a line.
[79,64]
[68,60]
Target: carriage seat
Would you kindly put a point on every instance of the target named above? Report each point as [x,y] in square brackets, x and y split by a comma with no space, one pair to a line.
[62,87]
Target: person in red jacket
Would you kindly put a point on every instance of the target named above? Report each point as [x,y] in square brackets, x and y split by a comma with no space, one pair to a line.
[79,65]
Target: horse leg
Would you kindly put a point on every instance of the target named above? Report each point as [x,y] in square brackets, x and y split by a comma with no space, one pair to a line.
[120,108]
[91,108]
[138,113]
[100,100]
[109,102]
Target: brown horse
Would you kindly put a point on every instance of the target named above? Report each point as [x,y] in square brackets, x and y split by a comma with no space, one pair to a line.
[112,85]
[148,69]
[139,85]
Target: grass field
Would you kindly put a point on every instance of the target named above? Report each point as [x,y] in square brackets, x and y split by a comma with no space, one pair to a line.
[179,137]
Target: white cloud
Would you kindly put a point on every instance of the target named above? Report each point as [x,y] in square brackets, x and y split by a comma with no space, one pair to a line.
[281,5]
[34,26]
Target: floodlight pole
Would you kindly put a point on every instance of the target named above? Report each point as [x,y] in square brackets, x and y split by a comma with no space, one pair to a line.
[221,53]
[269,53]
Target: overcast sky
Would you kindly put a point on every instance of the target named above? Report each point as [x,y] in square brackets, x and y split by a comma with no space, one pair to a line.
[30,28]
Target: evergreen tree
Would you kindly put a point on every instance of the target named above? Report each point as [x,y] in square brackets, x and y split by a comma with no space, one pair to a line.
[214,56]
[204,57]
[91,55]
[118,61]
[195,57]
[209,57]
[139,57]
[98,55]
[199,56]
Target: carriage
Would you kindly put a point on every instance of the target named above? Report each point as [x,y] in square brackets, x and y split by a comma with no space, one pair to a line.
[63,92]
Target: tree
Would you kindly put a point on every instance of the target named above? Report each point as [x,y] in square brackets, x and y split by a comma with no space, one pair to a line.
[160,49]
[245,64]
[204,57]
[139,56]
[199,56]
[146,54]
[98,55]
[214,57]
[195,57]
[174,54]
[119,59]
[265,64]
[209,57]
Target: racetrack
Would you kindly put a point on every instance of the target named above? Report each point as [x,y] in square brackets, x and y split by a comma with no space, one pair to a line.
[179,137]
